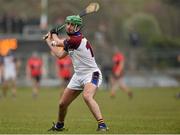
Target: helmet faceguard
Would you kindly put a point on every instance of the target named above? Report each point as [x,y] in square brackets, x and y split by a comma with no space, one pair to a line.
[76,20]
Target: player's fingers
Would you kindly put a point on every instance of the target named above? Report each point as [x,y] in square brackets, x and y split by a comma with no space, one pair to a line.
[49,35]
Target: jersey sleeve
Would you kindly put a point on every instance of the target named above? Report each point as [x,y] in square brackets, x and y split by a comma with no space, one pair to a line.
[72,43]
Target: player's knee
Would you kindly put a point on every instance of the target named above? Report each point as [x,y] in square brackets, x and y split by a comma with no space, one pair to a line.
[62,105]
[87,97]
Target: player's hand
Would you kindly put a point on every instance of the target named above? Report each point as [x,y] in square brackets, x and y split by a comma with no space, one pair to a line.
[48,35]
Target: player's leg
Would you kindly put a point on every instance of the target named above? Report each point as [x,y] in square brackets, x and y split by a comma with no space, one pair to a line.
[5,83]
[88,95]
[67,97]
[124,87]
[14,89]
[69,94]
[38,82]
[13,82]
[91,82]
[35,81]
[37,85]
[4,87]
[114,86]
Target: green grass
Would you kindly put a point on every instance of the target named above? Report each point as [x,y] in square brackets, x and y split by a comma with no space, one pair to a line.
[152,110]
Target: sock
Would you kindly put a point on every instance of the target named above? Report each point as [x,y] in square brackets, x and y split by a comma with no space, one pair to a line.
[59,124]
[100,121]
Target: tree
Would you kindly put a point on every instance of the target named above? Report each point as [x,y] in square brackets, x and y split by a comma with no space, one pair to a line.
[175,3]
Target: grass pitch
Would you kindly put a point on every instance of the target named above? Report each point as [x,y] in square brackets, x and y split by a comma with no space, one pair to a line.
[152,110]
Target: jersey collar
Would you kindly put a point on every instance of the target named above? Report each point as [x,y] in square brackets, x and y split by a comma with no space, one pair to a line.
[78,33]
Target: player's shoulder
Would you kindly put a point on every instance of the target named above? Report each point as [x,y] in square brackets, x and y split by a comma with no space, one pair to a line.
[74,41]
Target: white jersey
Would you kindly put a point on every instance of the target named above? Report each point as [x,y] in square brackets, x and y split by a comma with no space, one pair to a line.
[82,55]
[85,67]
[9,67]
[83,59]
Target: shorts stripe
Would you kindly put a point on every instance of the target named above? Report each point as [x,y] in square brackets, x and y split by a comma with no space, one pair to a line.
[95,78]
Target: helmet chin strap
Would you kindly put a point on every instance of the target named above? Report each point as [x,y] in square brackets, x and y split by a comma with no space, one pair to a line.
[76,28]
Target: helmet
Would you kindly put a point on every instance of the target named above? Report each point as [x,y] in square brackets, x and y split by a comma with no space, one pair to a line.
[74,19]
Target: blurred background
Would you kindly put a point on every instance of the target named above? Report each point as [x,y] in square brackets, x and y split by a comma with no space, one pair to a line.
[147,32]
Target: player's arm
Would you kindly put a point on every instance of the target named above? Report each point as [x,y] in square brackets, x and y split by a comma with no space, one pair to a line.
[59,42]
[53,35]
[54,42]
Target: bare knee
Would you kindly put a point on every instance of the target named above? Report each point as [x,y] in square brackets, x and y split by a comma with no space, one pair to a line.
[62,105]
[87,97]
